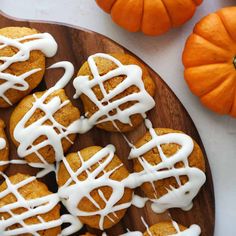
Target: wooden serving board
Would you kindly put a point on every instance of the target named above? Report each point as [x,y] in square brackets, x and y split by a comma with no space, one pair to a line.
[75,45]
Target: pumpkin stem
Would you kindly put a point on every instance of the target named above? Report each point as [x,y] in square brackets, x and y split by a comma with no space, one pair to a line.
[234,62]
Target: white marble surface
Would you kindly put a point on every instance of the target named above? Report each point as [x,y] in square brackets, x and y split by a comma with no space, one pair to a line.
[163,54]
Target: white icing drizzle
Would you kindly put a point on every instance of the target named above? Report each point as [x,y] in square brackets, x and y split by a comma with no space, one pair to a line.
[129,233]
[193,230]
[43,42]
[3,144]
[133,77]
[26,136]
[182,196]
[72,194]
[34,208]
[133,233]
[14,162]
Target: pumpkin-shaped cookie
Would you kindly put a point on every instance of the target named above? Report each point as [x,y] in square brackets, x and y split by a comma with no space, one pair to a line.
[152,17]
[210,61]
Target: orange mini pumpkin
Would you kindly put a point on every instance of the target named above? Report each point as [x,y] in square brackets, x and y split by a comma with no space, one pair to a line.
[209,58]
[152,17]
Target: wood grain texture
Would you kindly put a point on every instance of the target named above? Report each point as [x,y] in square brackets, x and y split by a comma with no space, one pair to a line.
[76,45]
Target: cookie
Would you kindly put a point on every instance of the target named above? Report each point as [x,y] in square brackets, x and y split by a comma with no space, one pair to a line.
[27,190]
[98,191]
[62,118]
[35,60]
[114,102]
[159,188]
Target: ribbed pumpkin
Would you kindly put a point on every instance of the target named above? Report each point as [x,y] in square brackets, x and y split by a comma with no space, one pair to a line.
[152,17]
[209,58]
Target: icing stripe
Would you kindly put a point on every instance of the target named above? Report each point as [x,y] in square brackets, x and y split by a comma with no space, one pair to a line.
[3,143]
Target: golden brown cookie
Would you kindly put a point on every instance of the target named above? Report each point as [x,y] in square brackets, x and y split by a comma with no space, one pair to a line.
[33,190]
[104,66]
[85,204]
[36,60]
[196,159]
[65,116]
[165,228]
[4,146]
